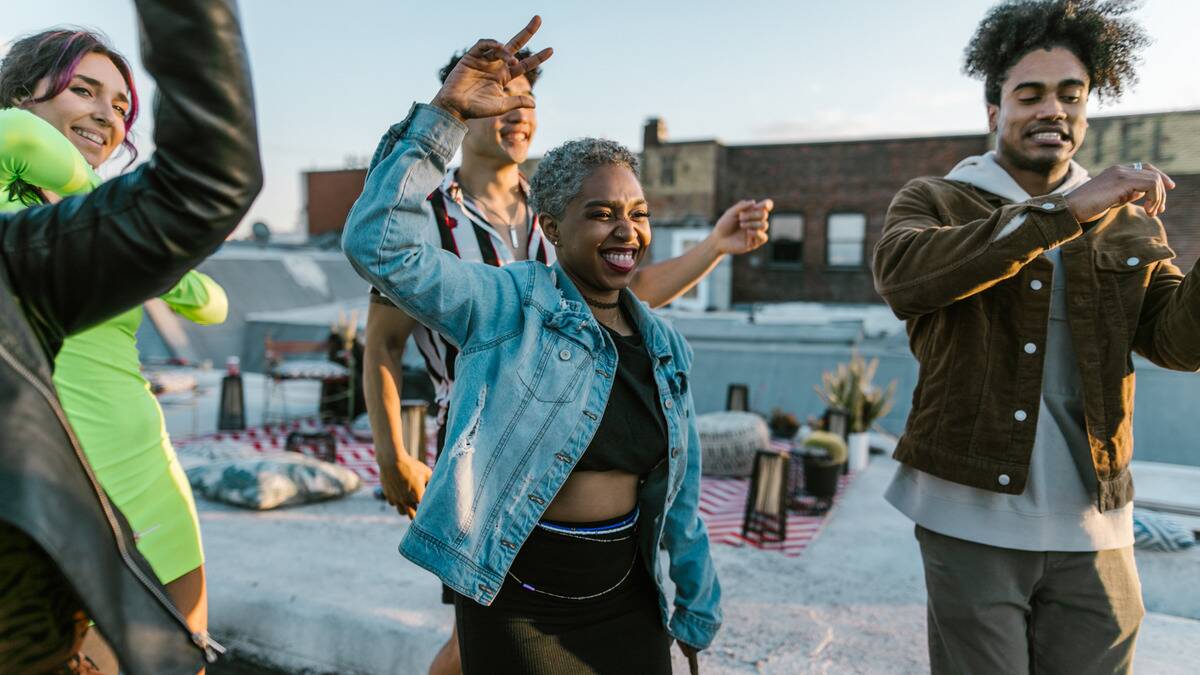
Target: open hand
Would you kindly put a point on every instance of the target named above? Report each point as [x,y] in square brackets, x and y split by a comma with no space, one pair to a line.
[743,226]
[475,88]
[1119,185]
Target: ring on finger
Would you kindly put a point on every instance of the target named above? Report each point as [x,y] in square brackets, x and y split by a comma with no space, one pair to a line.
[1137,166]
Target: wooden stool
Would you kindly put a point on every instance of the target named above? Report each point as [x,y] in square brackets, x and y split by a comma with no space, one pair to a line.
[322,441]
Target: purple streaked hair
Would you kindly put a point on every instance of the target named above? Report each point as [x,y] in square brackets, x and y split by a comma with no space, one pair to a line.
[55,55]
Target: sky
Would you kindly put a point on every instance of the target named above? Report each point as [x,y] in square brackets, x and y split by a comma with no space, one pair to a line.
[331,76]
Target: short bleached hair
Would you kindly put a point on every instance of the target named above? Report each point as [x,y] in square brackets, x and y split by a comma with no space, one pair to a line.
[560,174]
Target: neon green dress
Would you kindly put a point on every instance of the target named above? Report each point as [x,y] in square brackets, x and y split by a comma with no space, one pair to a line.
[98,374]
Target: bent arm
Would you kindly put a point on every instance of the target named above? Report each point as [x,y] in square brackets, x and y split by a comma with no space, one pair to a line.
[922,265]
[88,258]
[33,151]
[199,299]
[662,282]
[387,234]
[1168,331]
[697,614]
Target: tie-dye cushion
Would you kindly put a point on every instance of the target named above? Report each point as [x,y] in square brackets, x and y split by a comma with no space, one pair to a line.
[272,480]
[1157,532]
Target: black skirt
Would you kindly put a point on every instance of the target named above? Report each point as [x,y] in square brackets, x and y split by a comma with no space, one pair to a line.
[578,599]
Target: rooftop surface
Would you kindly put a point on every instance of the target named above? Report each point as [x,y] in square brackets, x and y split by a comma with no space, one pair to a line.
[321,588]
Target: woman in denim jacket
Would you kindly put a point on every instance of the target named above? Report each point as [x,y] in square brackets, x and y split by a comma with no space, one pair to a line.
[572,452]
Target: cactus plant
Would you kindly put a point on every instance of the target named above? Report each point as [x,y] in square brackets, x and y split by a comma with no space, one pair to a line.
[833,445]
[850,388]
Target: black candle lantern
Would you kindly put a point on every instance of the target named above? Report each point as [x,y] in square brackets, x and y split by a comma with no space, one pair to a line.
[737,398]
[837,421]
[767,501]
[231,415]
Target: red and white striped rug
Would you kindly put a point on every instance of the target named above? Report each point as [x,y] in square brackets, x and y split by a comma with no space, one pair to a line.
[722,500]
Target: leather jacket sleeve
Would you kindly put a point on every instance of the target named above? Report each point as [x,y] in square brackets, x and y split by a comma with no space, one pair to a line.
[87,258]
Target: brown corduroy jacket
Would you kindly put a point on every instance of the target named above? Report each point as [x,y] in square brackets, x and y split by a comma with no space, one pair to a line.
[976,309]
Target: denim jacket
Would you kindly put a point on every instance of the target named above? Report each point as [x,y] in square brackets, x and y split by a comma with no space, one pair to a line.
[531,384]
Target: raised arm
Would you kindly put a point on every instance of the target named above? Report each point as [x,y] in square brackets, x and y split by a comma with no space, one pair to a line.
[198,298]
[922,264]
[33,151]
[387,232]
[87,258]
[741,229]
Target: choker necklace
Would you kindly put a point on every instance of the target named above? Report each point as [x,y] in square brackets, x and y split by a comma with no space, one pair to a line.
[602,305]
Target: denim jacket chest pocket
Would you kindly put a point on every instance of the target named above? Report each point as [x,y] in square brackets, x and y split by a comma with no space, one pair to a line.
[551,368]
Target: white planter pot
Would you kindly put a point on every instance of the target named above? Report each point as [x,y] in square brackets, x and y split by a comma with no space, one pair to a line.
[858,448]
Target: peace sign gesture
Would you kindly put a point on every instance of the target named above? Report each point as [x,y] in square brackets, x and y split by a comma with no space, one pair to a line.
[475,88]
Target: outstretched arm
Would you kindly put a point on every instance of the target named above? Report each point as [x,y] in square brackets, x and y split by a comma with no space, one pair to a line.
[386,234]
[198,298]
[33,151]
[88,258]
[741,229]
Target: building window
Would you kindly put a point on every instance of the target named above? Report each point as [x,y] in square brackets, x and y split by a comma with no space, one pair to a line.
[666,175]
[683,240]
[844,239]
[787,238]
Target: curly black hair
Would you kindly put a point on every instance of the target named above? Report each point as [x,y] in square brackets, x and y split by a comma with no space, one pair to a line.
[531,75]
[1099,32]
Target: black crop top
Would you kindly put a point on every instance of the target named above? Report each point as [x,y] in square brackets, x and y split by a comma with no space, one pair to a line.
[632,436]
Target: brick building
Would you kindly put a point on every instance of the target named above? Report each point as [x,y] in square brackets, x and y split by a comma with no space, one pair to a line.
[831,197]
[328,196]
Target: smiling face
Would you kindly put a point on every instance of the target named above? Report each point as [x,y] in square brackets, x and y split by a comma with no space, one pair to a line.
[503,139]
[1042,116]
[604,232]
[91,111]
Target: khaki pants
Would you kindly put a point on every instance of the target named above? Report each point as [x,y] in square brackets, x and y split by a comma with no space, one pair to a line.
[1004,611]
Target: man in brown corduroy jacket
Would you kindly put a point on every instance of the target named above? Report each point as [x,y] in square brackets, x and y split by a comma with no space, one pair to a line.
[1026,285]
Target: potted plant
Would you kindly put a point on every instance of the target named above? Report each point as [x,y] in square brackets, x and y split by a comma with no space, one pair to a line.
[850,388]
[783,425]
[824,455]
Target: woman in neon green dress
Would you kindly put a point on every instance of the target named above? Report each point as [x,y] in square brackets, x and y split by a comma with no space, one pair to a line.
[51,140]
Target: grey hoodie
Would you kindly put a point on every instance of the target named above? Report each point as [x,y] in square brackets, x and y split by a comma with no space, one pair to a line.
[1057,511]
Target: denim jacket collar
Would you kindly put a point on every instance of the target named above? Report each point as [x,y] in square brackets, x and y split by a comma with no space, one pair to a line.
[573,308]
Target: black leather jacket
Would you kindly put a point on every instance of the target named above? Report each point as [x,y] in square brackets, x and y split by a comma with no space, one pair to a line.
[71,265]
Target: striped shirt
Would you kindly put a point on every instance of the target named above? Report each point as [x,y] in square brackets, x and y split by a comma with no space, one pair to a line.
[464,230]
